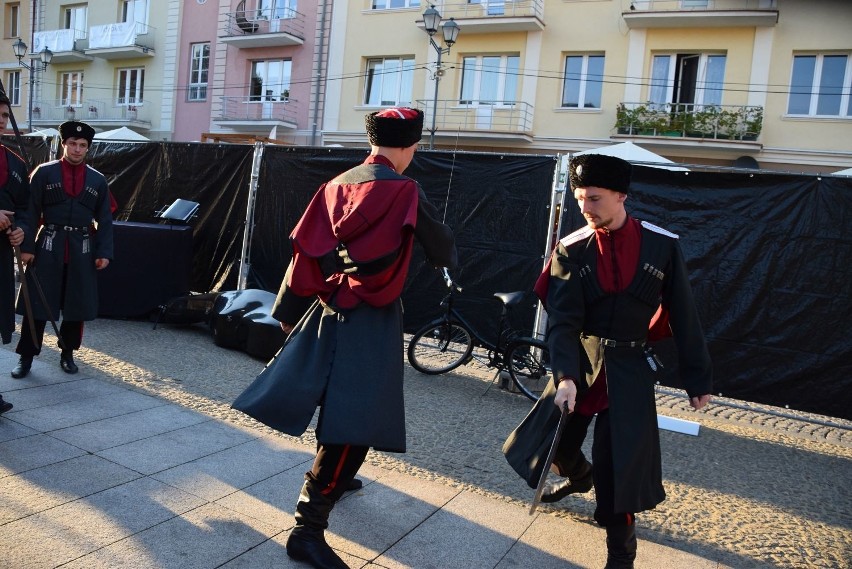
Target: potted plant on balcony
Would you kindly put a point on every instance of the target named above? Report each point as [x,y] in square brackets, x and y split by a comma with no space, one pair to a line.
[753,123]
[70,112]
[36,112]
[705,120]
[93,112]
[285,95]
[626,120]
[131,112]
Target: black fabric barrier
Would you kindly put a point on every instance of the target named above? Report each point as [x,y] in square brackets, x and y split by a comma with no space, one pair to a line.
[769,254]
[498,208]
[145,177]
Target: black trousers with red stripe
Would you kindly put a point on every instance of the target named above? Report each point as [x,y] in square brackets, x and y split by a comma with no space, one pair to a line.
[71,333]
[334,468]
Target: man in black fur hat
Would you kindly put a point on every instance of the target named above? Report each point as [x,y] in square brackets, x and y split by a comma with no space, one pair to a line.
[339,303]
[72,202]
[609,288]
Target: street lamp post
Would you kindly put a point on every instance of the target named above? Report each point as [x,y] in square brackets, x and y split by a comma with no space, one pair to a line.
[45,55]
[450,31]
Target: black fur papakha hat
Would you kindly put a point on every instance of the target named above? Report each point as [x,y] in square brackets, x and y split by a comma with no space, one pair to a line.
[76,129]
[397,127]
[601,171]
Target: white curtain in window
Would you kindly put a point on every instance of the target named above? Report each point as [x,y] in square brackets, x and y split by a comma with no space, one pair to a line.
[714,80]
[660,80]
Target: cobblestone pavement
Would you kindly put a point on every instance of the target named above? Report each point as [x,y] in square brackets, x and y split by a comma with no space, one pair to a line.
[759,486]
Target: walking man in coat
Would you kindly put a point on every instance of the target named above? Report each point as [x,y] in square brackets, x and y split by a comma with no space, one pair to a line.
[72,202]
[14,199]
[604,284]
[340,304]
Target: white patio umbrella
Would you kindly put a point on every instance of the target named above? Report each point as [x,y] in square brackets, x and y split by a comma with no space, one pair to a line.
[122,133]
[633,153]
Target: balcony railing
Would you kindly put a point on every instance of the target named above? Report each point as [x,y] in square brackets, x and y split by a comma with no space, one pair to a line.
[91,111]
[490,16]
[122,34]
[514,117]
[700,13]
[265,21]
[255,109]
[719,122]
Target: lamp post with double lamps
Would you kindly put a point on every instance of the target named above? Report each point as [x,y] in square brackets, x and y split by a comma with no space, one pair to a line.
[450,31]
[45,55]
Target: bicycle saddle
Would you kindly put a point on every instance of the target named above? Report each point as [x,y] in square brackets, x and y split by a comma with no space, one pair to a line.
[510,298]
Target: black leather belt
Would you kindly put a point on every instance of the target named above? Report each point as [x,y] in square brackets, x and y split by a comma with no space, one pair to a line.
[622,344]
[82,228]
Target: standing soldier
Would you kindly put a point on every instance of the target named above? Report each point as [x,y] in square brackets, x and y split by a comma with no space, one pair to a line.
[340,303]
[14,198]
[71,201]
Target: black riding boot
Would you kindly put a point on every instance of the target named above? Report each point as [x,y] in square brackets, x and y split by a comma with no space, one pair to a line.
[620,547]
[66,361]
[577,482]
[307,540]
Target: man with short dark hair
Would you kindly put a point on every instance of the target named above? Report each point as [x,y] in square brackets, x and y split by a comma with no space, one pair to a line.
[74,241]
[340,304]
[602,289]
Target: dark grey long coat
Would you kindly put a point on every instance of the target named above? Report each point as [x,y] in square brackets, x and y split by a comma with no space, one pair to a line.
[14,196]
[57,245]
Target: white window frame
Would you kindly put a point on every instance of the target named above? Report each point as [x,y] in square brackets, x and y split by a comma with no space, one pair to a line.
[199,70]
[71,88]
[269,70]
[130,84]
[665,86]
[13,87]
[276,9]
[76,18]
[395,4]
[845,108]
[477,72]
[583,80]
[398,82]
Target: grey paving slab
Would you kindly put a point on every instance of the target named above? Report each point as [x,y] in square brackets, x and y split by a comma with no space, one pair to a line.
[43,372]
[202,538]
[222,473]
[11,429]
[67,532]
[369,521]
[271,500]
[473,531]
[26,453]
[180,446]
[273,553]
[116,402]
[64,392]
[116,431]
[58,483]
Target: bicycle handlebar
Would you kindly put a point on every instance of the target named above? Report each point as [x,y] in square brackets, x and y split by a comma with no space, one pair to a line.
[449,280]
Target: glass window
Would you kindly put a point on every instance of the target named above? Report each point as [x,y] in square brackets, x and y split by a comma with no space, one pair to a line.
[820,85]
[72,89]
[131,83]
[389,81]
[384,4]
[75,19]
[687,79]
[270,80]
[14,20]
[199,66]
[489,80]
[583,83]
[136,11]
[13,87]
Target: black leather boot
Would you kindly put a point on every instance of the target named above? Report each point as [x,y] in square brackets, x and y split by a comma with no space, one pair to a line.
[4,405]
[307,540]
[66,362]
[23,368]
[578,482]
[620,547]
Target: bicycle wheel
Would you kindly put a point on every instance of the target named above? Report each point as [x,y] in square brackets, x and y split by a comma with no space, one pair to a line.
[528,362]
[439,347]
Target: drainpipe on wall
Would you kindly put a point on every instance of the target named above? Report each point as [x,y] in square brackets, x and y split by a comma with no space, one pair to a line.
[320,72]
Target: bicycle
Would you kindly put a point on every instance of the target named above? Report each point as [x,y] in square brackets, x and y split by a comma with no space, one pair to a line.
[448,342]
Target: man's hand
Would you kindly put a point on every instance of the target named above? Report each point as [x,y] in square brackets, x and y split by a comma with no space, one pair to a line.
[566,392]
[700,401]
[101,264]
[16,236]
[6,219]
[27,258]
[286,327]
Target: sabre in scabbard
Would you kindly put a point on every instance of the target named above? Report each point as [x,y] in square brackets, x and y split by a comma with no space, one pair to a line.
[550,456]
